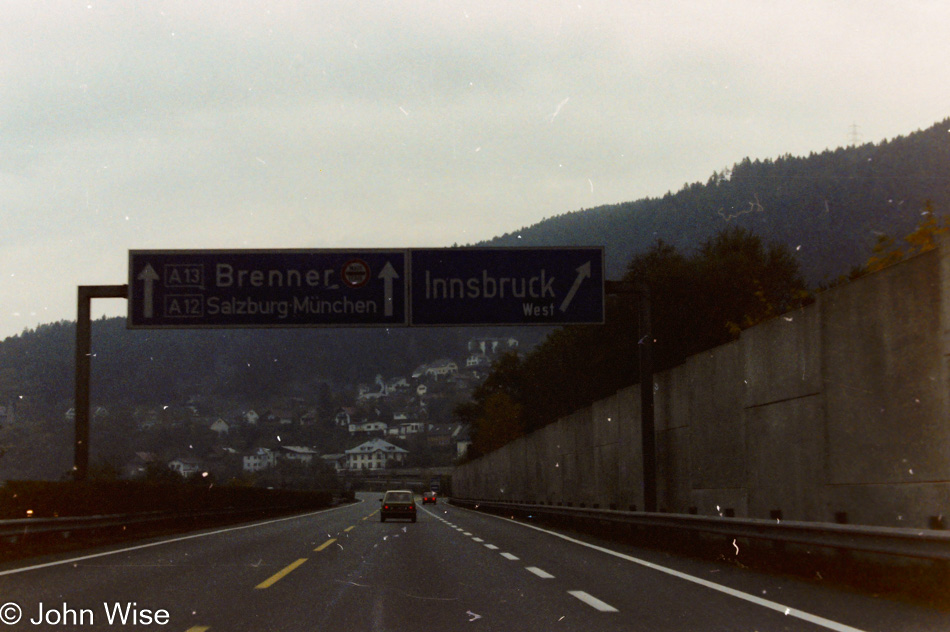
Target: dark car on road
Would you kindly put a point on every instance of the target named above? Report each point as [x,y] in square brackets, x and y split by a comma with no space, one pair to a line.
[428,497]
[398,504]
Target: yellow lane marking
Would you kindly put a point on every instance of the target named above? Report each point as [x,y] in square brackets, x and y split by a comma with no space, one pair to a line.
[198,628]
[325,544]
[280,575]
[348,529]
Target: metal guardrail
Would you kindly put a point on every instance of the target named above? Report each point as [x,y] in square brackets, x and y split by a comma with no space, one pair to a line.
[26,526]
[31,526]
[917,543]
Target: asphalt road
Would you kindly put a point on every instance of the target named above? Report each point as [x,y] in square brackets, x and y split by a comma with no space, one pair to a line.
[343,570]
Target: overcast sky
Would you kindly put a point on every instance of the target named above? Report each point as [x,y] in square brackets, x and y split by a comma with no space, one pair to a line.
[267,124]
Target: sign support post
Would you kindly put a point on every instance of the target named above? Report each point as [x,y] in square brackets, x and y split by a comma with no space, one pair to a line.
[645,363]
[83,363]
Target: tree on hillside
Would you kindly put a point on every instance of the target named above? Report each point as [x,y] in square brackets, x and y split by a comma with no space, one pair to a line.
[744,282]
[733,282]
[492,414]
[498,423]
[673,281]
[922,239]
[887,252]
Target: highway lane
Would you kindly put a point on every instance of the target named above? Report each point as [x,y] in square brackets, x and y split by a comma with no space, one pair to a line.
[342,570]
[195,578]
[663,592]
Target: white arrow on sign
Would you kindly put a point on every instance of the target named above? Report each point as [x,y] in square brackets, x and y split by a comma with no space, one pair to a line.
[583,272]
[148,276]
[387,274]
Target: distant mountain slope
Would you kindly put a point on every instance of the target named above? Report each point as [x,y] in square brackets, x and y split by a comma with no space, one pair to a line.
[828,207]
[168,366]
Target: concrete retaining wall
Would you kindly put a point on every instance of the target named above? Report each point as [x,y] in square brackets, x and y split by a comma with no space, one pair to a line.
[838,411]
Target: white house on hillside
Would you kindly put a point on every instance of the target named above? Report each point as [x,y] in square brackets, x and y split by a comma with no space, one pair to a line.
[442,368]
[492,346]
[406,428]
[368,427]
[298,453]
[436,370]
[344,416]
[260,459]
[374,455]
[185,466]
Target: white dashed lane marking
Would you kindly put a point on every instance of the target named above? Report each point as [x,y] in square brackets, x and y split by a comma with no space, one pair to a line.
[592,601]
[587,598]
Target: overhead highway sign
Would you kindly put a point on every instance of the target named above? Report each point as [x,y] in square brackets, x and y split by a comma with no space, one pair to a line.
[267,288]
[370,288]
[507,286]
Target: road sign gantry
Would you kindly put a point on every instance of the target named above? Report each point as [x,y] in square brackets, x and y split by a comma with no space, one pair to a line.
[336,288]
[370,288]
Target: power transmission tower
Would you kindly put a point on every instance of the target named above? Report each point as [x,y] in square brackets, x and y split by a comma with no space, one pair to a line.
[854,135]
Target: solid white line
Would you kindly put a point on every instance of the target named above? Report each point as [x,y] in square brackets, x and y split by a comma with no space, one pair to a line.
[765,603]
[509,556]
[83,558]
[592,601]
[537,571]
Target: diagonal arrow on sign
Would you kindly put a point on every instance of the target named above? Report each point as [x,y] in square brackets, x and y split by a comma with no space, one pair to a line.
[148,276]
[387,274]
[583,272]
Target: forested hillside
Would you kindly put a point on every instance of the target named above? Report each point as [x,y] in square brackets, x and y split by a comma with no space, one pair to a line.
[168,366]
[829,207]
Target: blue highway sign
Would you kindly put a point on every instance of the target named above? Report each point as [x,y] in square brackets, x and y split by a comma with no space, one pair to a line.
[507,286]
[267,288]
